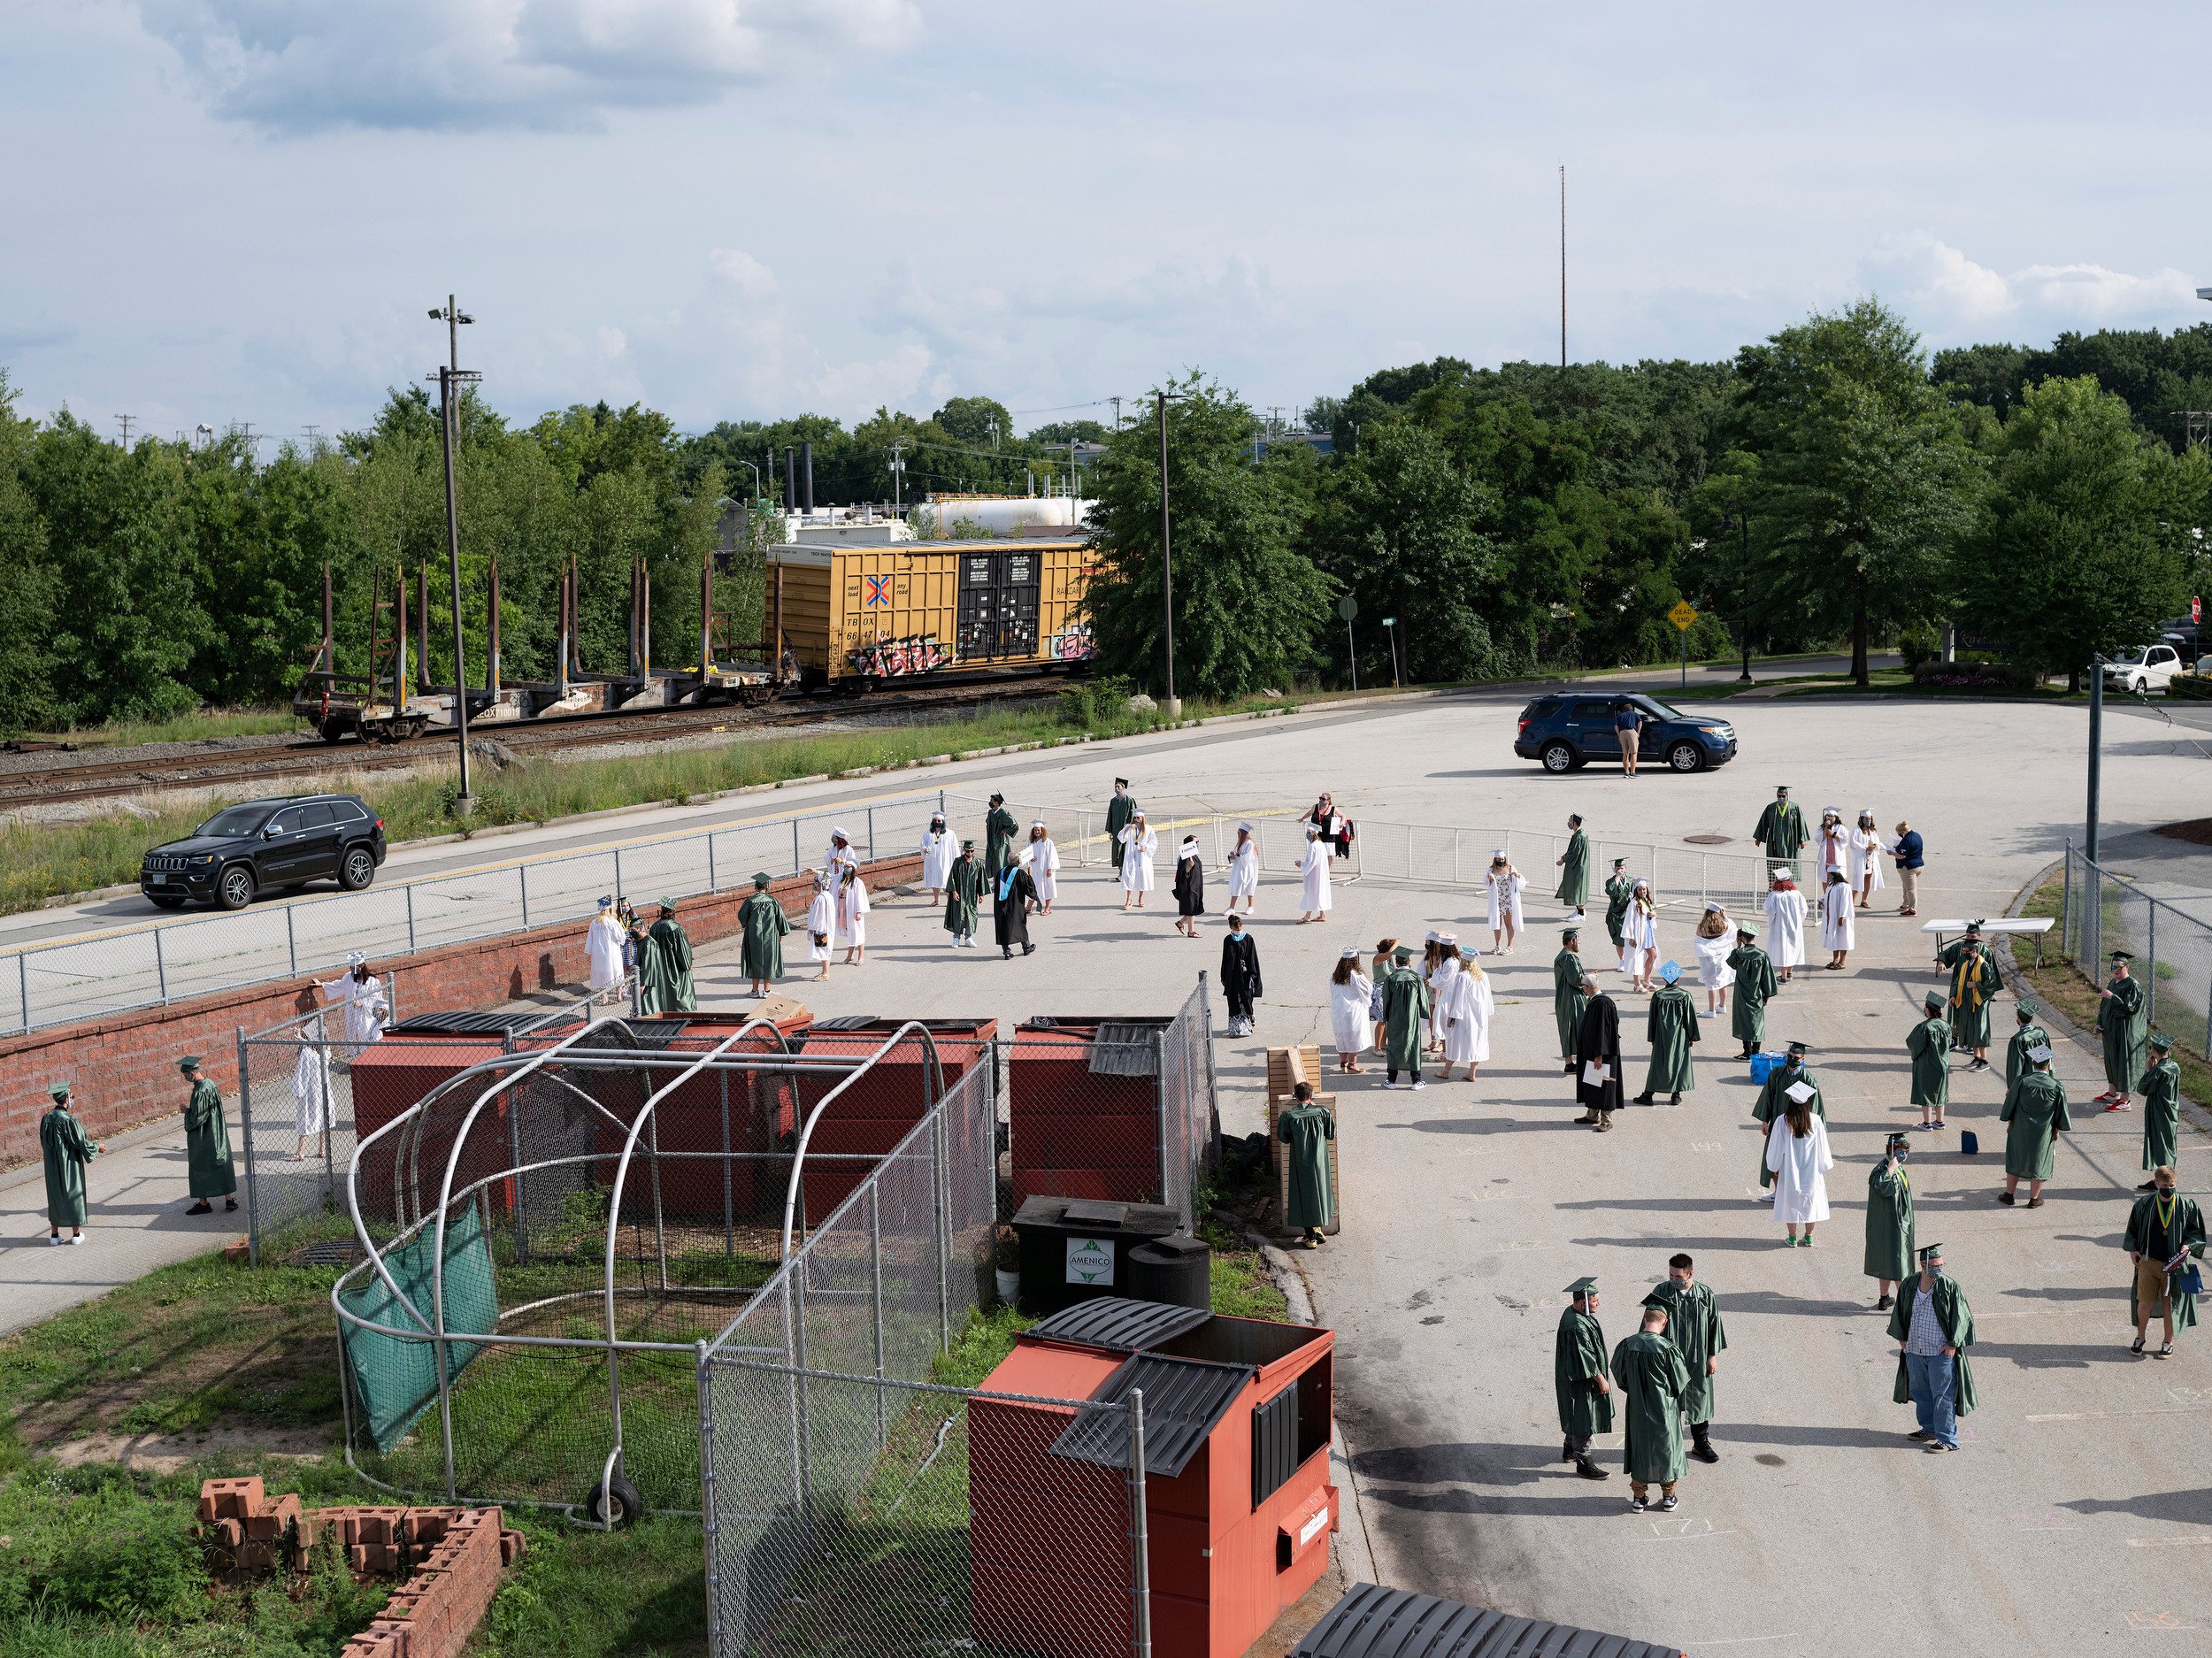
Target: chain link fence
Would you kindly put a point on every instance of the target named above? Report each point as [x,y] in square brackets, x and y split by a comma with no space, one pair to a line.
[2103,910]
[171,961]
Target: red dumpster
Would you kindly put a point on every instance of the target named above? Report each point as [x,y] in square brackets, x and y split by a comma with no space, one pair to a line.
[1083,1103]
[879,1110]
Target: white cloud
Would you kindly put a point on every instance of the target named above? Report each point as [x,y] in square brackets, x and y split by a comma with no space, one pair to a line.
[303,66]
[749,276]
[1948,296]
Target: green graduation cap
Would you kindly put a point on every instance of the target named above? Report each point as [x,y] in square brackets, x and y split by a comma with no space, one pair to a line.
[2160,1041]
[2122,956]
[1934,999]
[1582,1287]
[1973,929]
[1801,1048]
[1569,934]
[667,906]
[1781,789]
[1746,929]
[967,845]
[1403,955]
[760,878]
[191,1061]
[59,1090]
[2022,1012]
[1931,1252]
[1620,863]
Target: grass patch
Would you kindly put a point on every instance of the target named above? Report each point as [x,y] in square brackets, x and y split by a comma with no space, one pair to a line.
[196,727]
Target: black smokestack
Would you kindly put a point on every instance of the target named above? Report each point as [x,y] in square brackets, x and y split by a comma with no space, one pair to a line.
[806,476]
[790,479]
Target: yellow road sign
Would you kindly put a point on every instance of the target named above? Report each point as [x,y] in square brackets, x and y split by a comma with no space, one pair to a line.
[1683,615]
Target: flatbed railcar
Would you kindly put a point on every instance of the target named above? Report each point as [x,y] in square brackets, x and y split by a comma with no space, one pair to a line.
[850,618]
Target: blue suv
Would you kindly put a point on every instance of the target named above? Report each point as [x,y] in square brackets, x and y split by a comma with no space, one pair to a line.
[1568,731]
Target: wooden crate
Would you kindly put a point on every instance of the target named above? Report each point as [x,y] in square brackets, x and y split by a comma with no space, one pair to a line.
[1281,1164]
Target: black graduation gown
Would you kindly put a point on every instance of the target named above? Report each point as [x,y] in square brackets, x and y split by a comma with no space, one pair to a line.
[1599,1040]
[1190,886]
[1241,969]
[1011,894]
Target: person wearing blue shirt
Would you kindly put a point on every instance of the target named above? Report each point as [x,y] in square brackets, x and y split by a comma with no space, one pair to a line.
[1908,852]
[1628,724]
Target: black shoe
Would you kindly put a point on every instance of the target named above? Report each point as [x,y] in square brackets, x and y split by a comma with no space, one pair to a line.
[1885,1303]
[1635,1505]
[201,1208]
[1979,1065]
[2005,1197]
[230,1203]
[1917,1434]
[1676,1099]
[1704,1451]
[1589,1470]
[1641,1098]
[1568,1070]
[1008,954]
[1029,950]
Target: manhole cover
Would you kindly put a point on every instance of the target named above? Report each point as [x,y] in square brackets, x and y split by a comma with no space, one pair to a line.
[1707,841]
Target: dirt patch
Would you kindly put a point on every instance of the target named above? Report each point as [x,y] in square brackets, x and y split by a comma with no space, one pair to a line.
[2197,831]
[165,1453]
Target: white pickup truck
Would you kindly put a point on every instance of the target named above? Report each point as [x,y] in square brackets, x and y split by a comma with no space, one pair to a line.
[2151,669]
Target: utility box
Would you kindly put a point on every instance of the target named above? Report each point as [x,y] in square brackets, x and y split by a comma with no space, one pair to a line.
[1237,1503]
[1075,1249]
[1372,1622]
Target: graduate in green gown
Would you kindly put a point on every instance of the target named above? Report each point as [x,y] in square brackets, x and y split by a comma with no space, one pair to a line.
[1694,1327]
[1581,1379]
[764,925]
[1119,810]
[207,1142]
[1574,867]
[1671,1029]
[2160,1083]
[1975,983]
[2125,1023]
[1929,1042]
[663,966]
[998,830]
[1781,831]
[1306,1129]
[1647,1368]
[1755,982]
[2035,1107]
[964,891]
[1567,1000]
[1773,1100]
[1955,1320]
[2029,1034]
[2164,1230]
[65,1149]
[1889,1221]
[1618,887]
[1405,1020]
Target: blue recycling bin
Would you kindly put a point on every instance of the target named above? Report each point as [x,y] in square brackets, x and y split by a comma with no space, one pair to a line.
[1762,1066]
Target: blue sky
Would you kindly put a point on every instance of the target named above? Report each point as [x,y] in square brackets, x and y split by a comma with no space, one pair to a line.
[228,211]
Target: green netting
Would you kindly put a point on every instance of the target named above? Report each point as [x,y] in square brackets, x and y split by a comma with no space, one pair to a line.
[396,1378]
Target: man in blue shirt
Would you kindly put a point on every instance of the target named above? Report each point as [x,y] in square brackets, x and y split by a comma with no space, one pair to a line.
[1907,854]
[1628,724]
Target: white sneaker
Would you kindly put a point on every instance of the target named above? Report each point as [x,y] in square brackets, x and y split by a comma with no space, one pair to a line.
[77,1239]
[56,1238]
[1421,1084]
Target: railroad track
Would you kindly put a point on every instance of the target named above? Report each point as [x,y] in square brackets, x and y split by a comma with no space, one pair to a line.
[96,780]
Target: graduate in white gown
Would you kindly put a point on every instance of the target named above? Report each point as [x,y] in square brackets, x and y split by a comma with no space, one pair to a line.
[1837,926]
[821,920]
[310,1093]
[1639,935]
[603,949]
[1140,845]
[1867,847]
[1440,978]
[1503,883]
[1833,843]
[1351,1019]
[1715,941]
[852,914]
[1043,859]
[360,992]
[1785,923]
[1244,870]
[938,851]
[1798,1153]
[1468,1006]
[1313,901]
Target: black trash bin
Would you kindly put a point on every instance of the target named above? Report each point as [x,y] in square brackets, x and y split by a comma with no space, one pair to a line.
[1178,1271]
[1073,1249]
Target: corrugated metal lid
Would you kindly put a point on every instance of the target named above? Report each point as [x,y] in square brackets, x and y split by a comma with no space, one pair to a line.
[1183,1398]
[1117,1324]
[462,1024]
[1123,1049]
[874,1022]
[1372,1622]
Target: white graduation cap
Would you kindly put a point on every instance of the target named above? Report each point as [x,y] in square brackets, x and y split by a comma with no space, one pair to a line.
[1190,843]
[2040,1053]
[1799,1092]
[1351,954]
[1777,872]
[1712,907]
[355,959]
[1245,828]
[1434,937]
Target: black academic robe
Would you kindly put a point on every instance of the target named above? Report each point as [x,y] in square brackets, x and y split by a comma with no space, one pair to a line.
[1598,1040]
[1011,894]
[1190,886]
[1241,970]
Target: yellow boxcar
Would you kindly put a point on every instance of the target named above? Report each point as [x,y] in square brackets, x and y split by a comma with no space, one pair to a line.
[909,608]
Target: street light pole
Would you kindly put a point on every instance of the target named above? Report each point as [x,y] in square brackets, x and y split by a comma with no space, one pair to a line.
[1390,632]
[2096,751]
[1741,523]
[450,382]
[1167,568]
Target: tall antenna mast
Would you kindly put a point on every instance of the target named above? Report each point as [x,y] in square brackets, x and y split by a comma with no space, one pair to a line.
[1562,264]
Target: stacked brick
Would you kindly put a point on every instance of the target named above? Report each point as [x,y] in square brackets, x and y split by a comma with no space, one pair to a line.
[449,1559]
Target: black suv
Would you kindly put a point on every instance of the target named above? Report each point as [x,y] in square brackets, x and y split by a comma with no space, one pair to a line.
[266,846]
[1568,731]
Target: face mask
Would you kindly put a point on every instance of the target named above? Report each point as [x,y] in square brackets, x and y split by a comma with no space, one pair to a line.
[2165,1191]
[1680,1284]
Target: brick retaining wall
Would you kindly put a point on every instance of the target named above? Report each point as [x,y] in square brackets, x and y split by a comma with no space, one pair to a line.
[124,1067]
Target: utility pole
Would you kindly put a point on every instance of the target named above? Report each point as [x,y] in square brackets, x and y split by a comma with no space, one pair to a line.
[314,441]
[1562,264]
[2096,752]
[450,380]
[898,473]
[125,422]
[1167,567]
[1116,403]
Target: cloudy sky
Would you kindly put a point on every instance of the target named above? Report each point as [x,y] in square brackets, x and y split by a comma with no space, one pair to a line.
[241,210]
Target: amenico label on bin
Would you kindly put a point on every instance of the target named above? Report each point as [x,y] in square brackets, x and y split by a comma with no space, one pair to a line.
[1090,1261]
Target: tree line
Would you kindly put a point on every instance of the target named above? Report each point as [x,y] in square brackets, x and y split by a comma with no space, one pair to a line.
[1832,482]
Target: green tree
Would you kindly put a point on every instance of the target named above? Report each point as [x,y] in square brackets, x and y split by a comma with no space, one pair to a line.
[981,421]
[2066,557]
[1400,526]
[30,588]
[1249,608]
[1864,476]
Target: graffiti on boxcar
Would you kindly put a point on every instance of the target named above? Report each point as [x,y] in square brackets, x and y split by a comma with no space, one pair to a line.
[889,658]
[1074,643]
